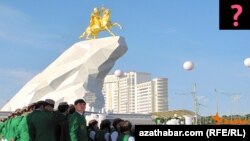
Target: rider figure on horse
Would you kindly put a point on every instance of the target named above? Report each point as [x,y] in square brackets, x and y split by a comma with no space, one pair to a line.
[95,19]
[99,21]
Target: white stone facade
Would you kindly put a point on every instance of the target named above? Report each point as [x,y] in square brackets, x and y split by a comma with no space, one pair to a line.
[77,73]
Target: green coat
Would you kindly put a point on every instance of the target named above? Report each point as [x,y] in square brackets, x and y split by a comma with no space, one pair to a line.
[123,137]
[14,124]
[77,127]
[41,126]
[22,130]
[1,129]
[8,131]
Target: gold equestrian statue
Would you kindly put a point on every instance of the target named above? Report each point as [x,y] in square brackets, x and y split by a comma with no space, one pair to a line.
[99,21]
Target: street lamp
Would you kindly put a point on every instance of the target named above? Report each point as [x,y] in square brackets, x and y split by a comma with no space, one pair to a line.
[234,98]
[195,103]
[217,100]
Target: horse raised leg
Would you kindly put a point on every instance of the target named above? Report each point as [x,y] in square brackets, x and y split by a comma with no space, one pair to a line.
[86,34]
[107,29]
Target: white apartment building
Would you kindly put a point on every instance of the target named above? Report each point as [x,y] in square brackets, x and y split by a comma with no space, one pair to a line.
[134,92]
[152,96]
[110,93]
[160,94]
[144,97]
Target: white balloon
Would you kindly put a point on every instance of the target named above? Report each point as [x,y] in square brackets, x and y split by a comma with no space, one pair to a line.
[247,62]
[188,65]
[119,73]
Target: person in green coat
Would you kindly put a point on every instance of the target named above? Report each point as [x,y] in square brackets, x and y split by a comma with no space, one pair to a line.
[41,124]
[22,129]
[125,128]
[77,122]
[15,123]
[8,127]
[1,129]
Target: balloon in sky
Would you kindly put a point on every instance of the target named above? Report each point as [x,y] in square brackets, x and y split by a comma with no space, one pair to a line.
[188,65]
[118,73]
[247,62]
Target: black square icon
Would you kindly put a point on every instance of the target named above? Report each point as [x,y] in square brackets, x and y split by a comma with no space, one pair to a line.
[234,14]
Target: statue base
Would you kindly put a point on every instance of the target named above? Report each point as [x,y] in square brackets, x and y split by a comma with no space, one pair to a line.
[77,73]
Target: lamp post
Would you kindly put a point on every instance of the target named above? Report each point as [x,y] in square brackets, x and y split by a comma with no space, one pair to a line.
[234,97]
[195,103]
[217,100]
[234,100]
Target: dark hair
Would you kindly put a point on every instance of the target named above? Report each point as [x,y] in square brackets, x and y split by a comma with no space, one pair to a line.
[24,110]
[92,123]
[63,108]
[39,104]
[125,126]
[31,106]
[105,124]
[79,101]
[48,104]
[71,109]
[18,112]
[116,123]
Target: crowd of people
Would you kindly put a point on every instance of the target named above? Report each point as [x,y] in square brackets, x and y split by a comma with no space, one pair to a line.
[39,122]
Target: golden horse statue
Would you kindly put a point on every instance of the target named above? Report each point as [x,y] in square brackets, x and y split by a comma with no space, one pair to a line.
[99,21]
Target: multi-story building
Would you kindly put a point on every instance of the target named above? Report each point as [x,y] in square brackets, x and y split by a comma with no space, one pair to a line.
[135,92]
[144,97]
[160,94]
[110,93]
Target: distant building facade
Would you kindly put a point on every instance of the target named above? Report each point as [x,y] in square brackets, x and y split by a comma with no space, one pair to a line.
[135,92]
